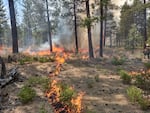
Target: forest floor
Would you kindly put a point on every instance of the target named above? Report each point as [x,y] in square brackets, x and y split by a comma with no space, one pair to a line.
[107,95]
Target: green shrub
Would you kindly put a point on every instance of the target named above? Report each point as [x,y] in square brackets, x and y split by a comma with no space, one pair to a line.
[134,94]
[144,103]
[139,80]
[66,94]
[43,59]
[37,80]
[117,61]
[21,62]
[26,94]
[25,59]
[126,78]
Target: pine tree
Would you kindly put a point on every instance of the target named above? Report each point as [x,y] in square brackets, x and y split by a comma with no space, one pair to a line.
[3,22]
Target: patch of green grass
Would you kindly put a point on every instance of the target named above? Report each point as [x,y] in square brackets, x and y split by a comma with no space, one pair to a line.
[37,80]
[117,61]
[44,59]
[139,80]
[134,94]
[26,94]
[144,103]
[66,93]
[25,59]
[126,78]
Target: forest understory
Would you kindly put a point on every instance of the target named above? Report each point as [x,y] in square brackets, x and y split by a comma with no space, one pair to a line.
[98,80]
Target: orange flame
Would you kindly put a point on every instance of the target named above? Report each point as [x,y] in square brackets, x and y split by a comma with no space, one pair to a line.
[54,92]
[77,102]
[53,95]
[84,57]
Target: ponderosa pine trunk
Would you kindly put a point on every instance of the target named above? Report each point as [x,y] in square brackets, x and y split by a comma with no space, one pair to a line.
[13,26]
[145,28]
[49,27]
[75,27]
[101,29]
[91,55]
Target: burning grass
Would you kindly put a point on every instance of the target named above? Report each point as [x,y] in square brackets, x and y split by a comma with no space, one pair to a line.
[64,98]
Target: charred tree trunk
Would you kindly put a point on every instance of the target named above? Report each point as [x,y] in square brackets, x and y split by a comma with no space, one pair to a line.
[49,27]
[101,28]
[13,26]
[145,28]
[3,68]
[91,55]
[75,26]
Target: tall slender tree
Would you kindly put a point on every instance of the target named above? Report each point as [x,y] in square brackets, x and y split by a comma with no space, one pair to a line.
[91,55]
[13,26]
[101,29]
[49,27]
[75,26]
[145,28]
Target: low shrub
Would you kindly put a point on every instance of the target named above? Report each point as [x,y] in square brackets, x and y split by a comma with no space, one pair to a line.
[117,61]
[66,94]
[139,81]
[37,80]
[26,94]
[126,78]
[134,94]
[144,103]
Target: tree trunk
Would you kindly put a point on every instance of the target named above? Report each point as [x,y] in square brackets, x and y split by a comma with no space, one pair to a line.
[49,27]
[101,28]
[105,24]
[110,41]
[145,29]
[75,27]
[3,69]
[91,55]
[13,26]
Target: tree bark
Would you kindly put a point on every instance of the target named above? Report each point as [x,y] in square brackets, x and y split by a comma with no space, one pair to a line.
[13,26]
[91,55]
[105,25]
[75,27]
[101,29]
[49,27]
[3,69]
[145,28]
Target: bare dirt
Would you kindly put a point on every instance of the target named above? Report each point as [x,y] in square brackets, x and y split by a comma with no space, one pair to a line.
[105,95]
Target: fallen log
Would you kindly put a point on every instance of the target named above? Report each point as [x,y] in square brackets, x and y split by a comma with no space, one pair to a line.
[12,75]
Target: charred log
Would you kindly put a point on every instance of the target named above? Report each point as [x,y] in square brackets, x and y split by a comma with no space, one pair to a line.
[12,76]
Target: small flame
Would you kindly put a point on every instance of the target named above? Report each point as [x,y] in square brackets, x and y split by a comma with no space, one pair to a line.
[54,92]
[85,57]
[77,102]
